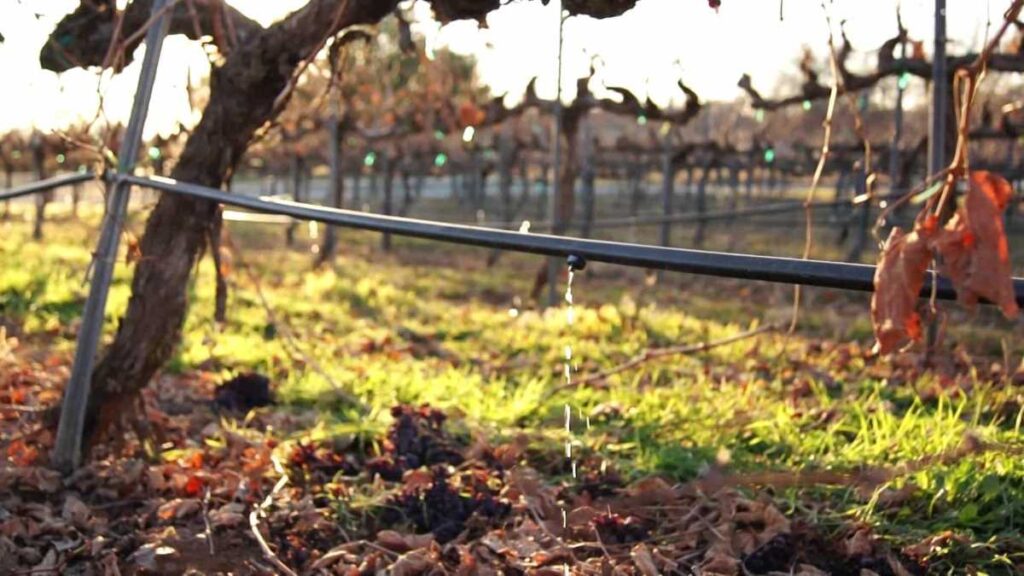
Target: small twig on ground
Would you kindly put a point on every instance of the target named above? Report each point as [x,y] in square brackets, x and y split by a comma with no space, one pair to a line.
[261,509]
[206,521]
[657,353]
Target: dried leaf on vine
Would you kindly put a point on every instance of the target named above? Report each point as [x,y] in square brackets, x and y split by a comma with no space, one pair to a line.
[471,115]
[898,280]
[973,245]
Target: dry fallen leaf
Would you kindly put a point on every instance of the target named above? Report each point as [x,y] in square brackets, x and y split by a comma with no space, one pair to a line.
[228,516]
[718,562]
[76,512]
[775,523]
[178,508]
[398,542]
[808,570]
[653,490]
[413,563]
[643,560]
[859,544]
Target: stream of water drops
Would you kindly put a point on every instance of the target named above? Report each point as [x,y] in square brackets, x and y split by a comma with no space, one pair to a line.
[570,318]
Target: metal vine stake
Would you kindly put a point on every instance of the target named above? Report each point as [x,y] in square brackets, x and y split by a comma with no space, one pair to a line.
[68,446]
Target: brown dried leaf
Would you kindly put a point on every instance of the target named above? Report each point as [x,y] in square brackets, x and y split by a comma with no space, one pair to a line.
[418,478]
[975,252]
[471,115]
[720,563]
[651,491]
[808,570]
[76,512]
[178,508]
[48,565]
[398,542]
[228,516]
[898,281]
[859,544]
[413,563]
[643,560]
[775,523]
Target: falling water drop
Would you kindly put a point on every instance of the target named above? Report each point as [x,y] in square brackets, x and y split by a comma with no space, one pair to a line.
[574,263]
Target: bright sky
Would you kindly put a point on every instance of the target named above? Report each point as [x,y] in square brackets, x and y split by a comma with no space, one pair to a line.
[644,50]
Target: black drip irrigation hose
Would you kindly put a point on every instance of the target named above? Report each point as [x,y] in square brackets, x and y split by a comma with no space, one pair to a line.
[839,275]
[45,185]
[819,273]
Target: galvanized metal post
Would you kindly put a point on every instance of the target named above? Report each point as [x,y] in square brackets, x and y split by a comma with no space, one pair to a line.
[588,181]
[335,187]
[937,135]
[897,136]
[68,446]
[668,180]
[557,226]
[938,113]
[388,204]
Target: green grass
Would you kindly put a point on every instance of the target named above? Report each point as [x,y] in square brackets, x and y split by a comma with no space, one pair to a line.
[812,402]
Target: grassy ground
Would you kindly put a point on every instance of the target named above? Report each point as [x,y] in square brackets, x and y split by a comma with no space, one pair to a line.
[929,464]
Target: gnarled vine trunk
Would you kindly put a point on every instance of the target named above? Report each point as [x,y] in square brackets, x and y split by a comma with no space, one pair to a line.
[244,95]
[242,98]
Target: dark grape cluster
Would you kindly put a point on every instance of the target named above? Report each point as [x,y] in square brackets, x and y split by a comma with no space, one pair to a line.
[417,438]
[614,529]
[600,484]
[774,555]
[320,462]
[243,393]
[443,509]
